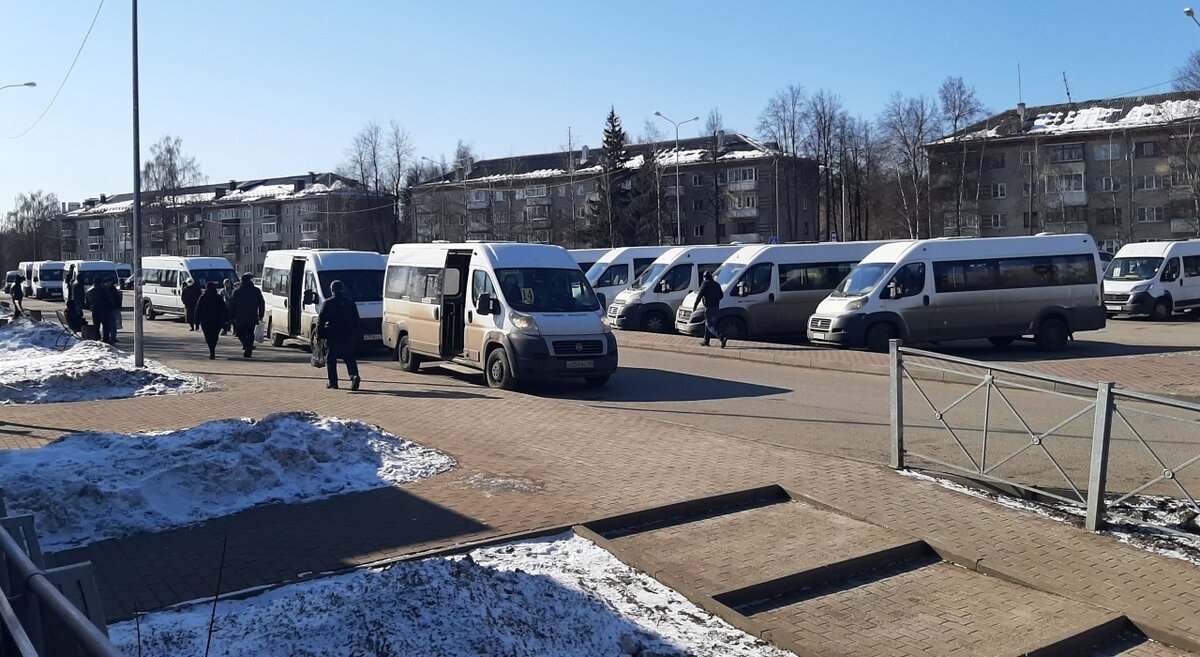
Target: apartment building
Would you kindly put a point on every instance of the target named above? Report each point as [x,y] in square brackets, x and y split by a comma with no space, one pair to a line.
[1124,170]
[239,220]
[730,188]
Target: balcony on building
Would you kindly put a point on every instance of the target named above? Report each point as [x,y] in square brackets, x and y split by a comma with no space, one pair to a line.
[158,238]
[229,233]
[742,186]
[537,200]
[125,245]
[1185,226]
[156,220]
[1065,227]
[477,204]
[309,231]
[477,226]
[1067,199]
[68,233]
[746,238]
[270,233]
[94,229]
[743,213]
[310,244]
[229,246]
[191,234]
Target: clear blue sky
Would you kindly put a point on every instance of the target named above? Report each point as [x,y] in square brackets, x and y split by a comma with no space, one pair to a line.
[263,88]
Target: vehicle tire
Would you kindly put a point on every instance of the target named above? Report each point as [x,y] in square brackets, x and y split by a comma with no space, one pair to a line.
[409,362]
[39,295]
[597,381]
[498,372]
[148,311]
[1051,334]
[654,322]
[732,328]
[276,338]
[1161,311]
[1109,315]
[1002,341]
[879,338]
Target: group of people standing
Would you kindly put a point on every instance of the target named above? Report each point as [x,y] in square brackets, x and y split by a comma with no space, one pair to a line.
[103,299]
[215,312]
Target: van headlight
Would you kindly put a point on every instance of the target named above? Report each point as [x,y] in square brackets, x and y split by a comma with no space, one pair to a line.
[1141,287]
[523,323]
[855,304]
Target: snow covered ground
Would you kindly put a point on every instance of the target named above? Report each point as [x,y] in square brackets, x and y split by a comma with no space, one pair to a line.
[1164,525]
[561,595]
[42,363]
[91,486]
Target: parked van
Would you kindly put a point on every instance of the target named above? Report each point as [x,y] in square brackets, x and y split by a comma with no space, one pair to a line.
[90,272]
[773,289]
[587,257]
[295,285]
[26,269]
[615,270]
[652,299]
[164,277]
[47,281]
[1153,278]
[1000,288]
[515,311]
[10,279]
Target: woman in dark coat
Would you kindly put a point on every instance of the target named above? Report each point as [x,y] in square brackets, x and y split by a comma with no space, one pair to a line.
[211,315]
[190,297]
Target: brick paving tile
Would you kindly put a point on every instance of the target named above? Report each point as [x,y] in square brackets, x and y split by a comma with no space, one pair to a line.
[938,609]
[587,463]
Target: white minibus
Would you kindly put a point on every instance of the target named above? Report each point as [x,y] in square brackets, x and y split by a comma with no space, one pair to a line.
[1000,288]
[89,272]
[164,277]
[1153,278]
[615,270]
[587,257]
[515,311]
[773,289]
[26,269]
[651,301]
[47,280]
[295,285]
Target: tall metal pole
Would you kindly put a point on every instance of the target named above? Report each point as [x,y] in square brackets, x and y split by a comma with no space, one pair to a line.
[138,337]
[678,190]
[842,177]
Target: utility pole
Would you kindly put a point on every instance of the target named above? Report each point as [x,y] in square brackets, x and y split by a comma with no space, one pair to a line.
[139,342]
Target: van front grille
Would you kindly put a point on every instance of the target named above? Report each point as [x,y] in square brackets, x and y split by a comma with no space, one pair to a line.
[820,323]
[684,314]
[578,347]
[1116,298]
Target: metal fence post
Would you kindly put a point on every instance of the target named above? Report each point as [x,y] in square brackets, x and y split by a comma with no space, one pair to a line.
[897,402]
[1101,434]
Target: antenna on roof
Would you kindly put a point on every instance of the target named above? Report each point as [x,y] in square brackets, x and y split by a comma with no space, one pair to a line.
[1020,94]
[1068,88]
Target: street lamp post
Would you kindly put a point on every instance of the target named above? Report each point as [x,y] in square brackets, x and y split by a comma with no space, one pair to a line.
[678,184]
[1187,11]
[136,266]
[22,84]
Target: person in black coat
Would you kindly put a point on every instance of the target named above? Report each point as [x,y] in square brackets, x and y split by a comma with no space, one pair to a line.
[18,296]
[211,315]
[190,297]
[711,294]
[99,301]
[337,326]
[247,310]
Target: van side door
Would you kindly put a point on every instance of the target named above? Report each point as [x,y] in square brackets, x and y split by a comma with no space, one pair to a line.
[755,294]
[909,294]
[479,322]
[1190,290]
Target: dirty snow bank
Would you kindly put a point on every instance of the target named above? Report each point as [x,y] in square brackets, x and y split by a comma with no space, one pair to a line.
[92,486]
[34,371]
[561,595]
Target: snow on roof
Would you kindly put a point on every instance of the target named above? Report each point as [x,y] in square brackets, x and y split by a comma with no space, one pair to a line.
[247,192]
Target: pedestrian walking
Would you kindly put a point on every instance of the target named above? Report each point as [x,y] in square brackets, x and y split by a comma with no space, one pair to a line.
[248,310]
[337,326]
[190,296]
[213,315]
[115,295]
[711,295]
[227,297]
[77,291]
[17,294]
[99,301]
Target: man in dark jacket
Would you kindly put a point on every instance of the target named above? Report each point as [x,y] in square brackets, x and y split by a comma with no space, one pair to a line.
[78,290]
[213,315]
[114,294]
[247,310]
[17,293]
[99,301]
[190,296]
[711,294]
[337,326]
[227,296]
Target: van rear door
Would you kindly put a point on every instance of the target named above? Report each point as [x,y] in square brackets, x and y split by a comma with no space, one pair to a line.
[293,301]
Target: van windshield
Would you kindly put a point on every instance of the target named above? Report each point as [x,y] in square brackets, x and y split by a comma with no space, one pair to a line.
[51,274]
[540,290]
[1132,269]
[218,276]
[646,279]
[358,284]
[727,274]
[862,279]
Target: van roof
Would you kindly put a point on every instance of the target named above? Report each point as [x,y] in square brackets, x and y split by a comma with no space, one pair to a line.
[677,252]
[1158,248]
[49,264]
[500,254]
[199,262]
[634,251]
[812,252]
[332,258]
[983,247]
[92,264]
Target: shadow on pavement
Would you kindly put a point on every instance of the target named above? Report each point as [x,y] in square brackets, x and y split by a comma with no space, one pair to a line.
[636,384]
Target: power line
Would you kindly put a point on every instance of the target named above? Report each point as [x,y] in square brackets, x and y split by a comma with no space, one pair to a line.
[65,77]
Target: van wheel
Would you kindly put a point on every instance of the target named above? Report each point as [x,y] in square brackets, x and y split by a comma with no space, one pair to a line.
[879,338]
[409,362]
[276,338]
[654,322]
[597,381]
[1001,342]
[148,311]
[498,372]
[732,328]
[1051,334]
[1161,311]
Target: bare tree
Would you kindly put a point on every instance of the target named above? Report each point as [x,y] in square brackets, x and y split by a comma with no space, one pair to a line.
[960,107]
[908,124]
[781,122]
[29,226]
[824,110]
[651,132]
[164,175]
[714,123]
[1187,76]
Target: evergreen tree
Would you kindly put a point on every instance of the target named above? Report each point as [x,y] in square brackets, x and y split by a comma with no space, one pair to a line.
[610,211]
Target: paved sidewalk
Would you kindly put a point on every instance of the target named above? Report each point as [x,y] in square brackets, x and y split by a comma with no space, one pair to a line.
[575,463]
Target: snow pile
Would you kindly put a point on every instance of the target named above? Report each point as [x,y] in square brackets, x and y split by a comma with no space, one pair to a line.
[87,371]
[5,312]
[556,596]
[92,486]
[25,339]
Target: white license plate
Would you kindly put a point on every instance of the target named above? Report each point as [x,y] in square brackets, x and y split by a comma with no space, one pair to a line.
[1113,308]
[818,336]
[373,336]
[580,364]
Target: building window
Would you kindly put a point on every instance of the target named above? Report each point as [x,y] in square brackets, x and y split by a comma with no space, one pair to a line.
[246,250]
[998,190]
[477,195]
[697,180]
[742,174]
[1146,149]
[1110,215]
[1027,158]
[535,192]
[1152,181]
[1105,152]
[309,227]
[1111,246]
[1067,182]
[519,194]
[562,191]
[193,250]
[1110,184]
[1065,153]
[499,195]
[1026,190]
[537,212]
[995,220]
[1181,177]
[698,231]
[1149,214]
[697,205]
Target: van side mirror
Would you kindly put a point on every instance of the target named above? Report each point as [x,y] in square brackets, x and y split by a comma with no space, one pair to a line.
[310,297]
